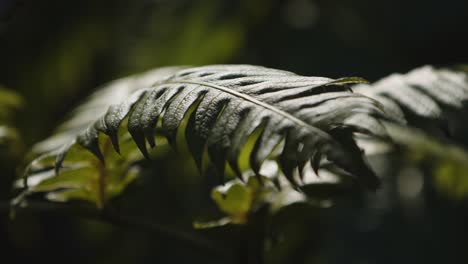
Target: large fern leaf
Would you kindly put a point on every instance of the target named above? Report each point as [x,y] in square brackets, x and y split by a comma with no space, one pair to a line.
[434,100]
[425,122]
[431,109]
[295,120]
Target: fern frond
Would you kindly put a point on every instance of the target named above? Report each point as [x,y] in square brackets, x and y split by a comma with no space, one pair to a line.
[430,107]
[434,100]
[218,109]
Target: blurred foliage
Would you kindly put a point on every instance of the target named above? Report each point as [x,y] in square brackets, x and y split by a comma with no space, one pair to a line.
[129,38]
[11,146]
[431,106]
[445,163]
[10,103]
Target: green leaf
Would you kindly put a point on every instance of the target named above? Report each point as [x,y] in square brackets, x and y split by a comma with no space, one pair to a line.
[234,199]
[434,100]
[430,122]
[235,113]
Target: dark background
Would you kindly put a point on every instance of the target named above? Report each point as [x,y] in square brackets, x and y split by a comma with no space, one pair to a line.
[54,53]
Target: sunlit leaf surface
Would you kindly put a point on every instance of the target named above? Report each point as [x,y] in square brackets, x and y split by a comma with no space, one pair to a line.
[236,115]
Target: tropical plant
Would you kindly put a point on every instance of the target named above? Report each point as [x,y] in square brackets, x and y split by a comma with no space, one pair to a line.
[266,137]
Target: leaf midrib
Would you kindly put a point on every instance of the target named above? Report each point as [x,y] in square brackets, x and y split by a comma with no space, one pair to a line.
[255,101]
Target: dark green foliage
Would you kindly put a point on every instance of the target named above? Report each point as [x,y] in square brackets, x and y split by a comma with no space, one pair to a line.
[218,108]
[235,118]
[11,145]
[294,142]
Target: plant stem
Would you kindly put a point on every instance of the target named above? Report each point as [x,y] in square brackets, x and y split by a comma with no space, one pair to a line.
[101,185]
